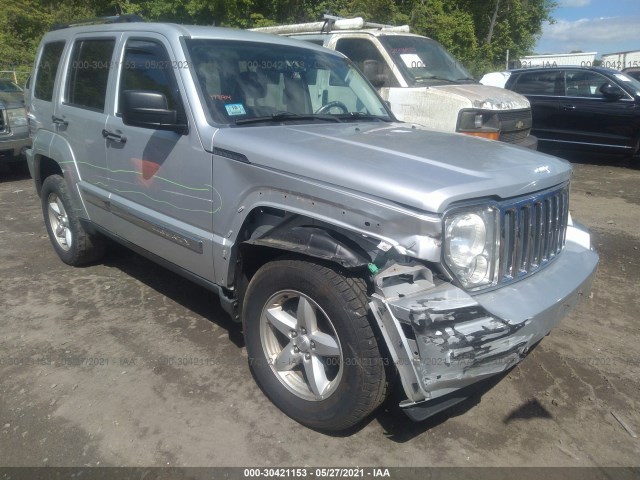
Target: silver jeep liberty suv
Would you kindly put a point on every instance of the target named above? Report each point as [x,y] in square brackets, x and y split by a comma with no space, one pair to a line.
[356,250]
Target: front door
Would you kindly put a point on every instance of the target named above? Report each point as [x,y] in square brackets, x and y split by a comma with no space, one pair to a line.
[160,181]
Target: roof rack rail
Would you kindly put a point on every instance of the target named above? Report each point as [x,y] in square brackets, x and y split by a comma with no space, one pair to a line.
[328,24]
[128,18]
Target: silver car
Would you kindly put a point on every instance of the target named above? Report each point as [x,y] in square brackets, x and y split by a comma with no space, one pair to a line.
[355,249]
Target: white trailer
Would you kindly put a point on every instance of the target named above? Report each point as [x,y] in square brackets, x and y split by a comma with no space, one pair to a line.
[621,60]
[583,59]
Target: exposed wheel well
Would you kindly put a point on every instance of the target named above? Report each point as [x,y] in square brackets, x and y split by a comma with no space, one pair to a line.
[269,234]
[254,256]
[45,167]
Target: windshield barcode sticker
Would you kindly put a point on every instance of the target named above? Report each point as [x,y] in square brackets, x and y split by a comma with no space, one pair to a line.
[235,109]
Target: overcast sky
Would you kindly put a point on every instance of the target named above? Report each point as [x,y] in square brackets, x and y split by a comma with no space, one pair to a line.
[603,26]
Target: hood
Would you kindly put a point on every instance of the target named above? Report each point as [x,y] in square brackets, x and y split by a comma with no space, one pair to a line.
[12,99]
[410,166]
[487,98]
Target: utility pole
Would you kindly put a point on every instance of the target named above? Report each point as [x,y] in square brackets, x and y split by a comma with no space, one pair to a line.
[492,22]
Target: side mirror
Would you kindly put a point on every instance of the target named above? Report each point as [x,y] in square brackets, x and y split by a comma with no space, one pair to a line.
[149,109]
[371,70]
[611,92]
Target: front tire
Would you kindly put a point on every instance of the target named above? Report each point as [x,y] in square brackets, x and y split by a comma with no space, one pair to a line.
[311,345]
[71,242]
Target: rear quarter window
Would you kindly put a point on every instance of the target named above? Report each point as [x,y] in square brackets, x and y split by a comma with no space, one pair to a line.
[47,69]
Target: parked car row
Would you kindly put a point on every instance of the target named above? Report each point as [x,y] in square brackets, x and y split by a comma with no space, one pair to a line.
[581,108]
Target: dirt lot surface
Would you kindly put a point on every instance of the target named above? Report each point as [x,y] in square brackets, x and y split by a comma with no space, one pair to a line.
[125,363]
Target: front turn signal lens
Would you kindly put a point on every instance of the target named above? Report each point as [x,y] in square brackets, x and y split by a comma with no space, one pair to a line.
[489,135]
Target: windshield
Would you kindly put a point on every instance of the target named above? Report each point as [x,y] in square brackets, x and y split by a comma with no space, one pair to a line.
[245,83]
[630,81]
[9,86]
[423,61]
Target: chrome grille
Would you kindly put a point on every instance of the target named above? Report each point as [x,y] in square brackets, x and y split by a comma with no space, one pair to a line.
[532,233]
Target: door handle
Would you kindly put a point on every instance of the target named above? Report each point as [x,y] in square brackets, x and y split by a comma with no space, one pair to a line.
[59,121]
[114,137]
[568,107]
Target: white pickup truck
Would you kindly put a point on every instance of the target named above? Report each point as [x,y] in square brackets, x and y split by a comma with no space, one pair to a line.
[421,80]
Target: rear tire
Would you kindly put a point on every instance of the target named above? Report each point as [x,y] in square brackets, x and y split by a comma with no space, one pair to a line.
[635,156]
[71,242]
[311,346]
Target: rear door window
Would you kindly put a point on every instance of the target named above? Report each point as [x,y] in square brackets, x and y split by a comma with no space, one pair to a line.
[539,83]
[91,62]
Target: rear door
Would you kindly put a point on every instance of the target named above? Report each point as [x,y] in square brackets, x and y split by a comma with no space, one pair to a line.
[589,118]
[79,117]
[542,88]
[42,85]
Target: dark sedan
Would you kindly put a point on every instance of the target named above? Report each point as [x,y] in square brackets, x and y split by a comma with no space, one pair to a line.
[582,108]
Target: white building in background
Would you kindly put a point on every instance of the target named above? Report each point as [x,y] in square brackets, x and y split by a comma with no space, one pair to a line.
[621,60]
[584,59]
[617,61]
[499,79]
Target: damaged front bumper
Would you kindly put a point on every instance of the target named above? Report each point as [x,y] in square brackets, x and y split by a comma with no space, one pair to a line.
[443,339]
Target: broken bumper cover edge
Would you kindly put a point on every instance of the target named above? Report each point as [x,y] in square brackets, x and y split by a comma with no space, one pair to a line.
[459,339]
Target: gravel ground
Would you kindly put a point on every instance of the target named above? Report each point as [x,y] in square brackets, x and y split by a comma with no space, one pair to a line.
[125,363]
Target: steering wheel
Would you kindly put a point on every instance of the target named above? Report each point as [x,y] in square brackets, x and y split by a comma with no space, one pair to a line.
[330,105]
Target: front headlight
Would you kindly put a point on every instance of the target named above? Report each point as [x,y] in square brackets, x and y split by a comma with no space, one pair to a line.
[471,245]
[479,123]
[17,117]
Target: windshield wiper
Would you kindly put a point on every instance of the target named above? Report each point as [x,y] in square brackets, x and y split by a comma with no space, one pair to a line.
[362,116]
[470,79]
[434,77]
[283,116]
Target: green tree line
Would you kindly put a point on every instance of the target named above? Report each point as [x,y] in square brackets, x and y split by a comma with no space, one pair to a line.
[478,32]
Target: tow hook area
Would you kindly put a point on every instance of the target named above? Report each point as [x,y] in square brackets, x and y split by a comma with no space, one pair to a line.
[440,339]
